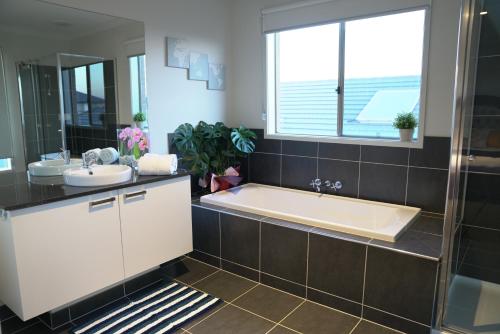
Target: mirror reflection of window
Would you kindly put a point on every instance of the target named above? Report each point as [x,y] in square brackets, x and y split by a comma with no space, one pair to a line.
[137,66]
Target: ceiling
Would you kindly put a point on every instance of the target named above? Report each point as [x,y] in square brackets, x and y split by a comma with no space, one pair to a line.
[44,19]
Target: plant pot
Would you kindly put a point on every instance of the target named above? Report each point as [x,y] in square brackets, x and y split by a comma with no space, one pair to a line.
[138,125]
[406,134]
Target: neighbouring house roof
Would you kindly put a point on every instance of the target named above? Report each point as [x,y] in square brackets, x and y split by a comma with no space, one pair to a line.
[310,107]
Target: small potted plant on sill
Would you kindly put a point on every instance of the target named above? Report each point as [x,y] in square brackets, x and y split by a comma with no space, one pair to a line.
[406,123]
[212,152]
[139,118]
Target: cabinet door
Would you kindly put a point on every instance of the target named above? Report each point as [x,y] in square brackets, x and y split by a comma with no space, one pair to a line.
[156,224]
[66,250]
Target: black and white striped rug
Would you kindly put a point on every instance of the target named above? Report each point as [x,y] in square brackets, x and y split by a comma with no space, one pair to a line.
[160,311]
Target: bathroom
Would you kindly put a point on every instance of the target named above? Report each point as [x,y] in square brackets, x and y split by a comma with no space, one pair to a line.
[265,166]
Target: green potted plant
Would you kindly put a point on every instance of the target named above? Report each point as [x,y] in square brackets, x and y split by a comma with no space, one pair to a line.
[139,118]
[210,149]
[406,123]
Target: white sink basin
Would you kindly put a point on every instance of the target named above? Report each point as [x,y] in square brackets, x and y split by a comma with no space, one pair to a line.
[52,167]
[97,175]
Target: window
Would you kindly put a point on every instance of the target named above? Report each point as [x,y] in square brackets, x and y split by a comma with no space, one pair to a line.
[346,79]
[5,164]
[84,95]
[137,65]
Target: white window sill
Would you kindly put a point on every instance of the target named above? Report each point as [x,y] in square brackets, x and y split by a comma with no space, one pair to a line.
[348,140]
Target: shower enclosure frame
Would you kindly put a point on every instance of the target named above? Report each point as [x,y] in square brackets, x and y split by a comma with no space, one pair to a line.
[465,77]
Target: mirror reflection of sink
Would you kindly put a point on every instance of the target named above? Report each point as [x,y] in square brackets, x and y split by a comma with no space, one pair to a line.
[97,175]
[47,180]
[52,167]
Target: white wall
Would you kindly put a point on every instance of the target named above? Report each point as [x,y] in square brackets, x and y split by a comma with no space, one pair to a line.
[247,74]
[172,98]
[116,44]
[19,47]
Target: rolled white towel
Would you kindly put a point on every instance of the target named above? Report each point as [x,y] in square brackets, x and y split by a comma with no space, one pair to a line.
[108,155]
[157,164]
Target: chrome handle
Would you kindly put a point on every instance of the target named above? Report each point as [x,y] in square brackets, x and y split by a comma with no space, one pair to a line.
[102,202]
[137,194]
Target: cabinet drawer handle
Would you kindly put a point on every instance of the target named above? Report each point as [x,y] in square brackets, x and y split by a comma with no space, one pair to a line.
[137,194]
[101,202]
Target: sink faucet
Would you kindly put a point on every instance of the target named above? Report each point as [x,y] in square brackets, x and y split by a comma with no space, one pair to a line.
[65,155]
[316,185]
[89,159]
[337,185]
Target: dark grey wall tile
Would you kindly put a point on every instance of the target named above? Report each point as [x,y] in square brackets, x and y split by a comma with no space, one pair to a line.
[265,168]
[240,240]
[335,302]
[206,232]
[279,257]
[386,155]
[298,172]
[383,183]
[142,281]
[435,154]
[339,151]
[427,189]
[395,322]
[346,172]
[208,259]
[266,145]
[240,270]
[400,284]
[280,284]
[482,208]
[336,266]
[303,148]
[81,308]
[415,242]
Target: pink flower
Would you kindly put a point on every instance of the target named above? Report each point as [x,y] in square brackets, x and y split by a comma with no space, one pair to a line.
[143,144]
[130,144]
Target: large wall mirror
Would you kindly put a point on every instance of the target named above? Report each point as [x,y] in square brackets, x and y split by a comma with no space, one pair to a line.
[69,79]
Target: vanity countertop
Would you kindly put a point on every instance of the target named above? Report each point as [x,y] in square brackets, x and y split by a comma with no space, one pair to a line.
[20,190]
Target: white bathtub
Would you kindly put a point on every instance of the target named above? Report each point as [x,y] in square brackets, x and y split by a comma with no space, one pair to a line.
[359,217]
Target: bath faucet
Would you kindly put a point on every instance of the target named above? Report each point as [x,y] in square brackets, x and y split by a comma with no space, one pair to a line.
[316,184]
[337,185]
[65,155]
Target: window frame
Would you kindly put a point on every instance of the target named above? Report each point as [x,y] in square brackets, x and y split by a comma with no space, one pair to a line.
[138,82]
[270,113]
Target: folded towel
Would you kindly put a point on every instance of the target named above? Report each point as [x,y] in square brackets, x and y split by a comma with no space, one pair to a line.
[93,154]
[157,164]
[108,155]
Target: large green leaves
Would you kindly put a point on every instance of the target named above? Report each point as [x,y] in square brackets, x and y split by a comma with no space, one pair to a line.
[242,139]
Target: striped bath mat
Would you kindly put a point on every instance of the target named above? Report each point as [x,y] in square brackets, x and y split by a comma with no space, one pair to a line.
[160,311]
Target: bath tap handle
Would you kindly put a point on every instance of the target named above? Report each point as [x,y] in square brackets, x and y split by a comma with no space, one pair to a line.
[316,184]
[337,185]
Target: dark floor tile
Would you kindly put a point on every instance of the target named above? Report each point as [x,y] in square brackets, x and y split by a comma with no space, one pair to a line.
[366,327]
[284,252]
[298,172]
[56,319]
[15,324]
[383,183]
[395,322]
[240,240]
[40,328]
[400,284]
[281,330]
[246,272]
[415,242]
[336,266]
[302,148]
[268,303]
[335,302]
[265,168]
[435,154]
[427,189]
[203,316]
[266,145]
[98,313]
[280,284]
[188,270]
[230,320]
[206,231]
[385,155]
[225,286]
[346,172]
[206,258]
[317,319]
[5,313]
[339,151]
[92,303]
[143,281]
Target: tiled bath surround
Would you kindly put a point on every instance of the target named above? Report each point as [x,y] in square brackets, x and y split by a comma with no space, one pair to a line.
[393,284]
[415,177]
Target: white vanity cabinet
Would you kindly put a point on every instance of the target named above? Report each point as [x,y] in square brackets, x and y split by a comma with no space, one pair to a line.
[54,254]
[156,224]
